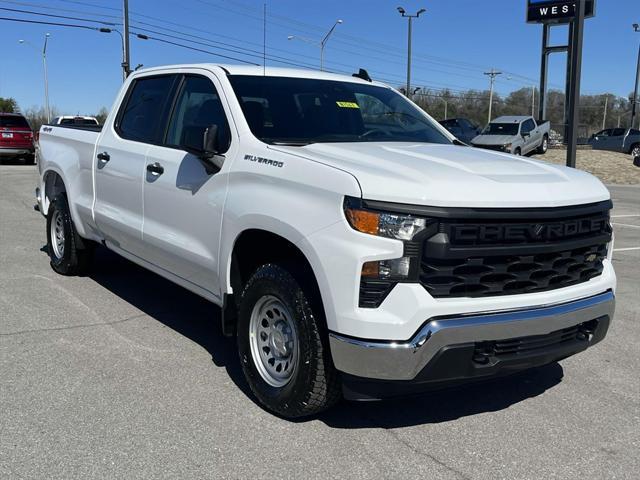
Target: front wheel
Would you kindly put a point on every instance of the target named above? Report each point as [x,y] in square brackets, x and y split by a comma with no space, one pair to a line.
[635,151]
[517,152]
[282,345]
[69,254]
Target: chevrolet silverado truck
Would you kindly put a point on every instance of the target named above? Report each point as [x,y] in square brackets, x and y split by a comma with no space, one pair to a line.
[355,248]
[519,135]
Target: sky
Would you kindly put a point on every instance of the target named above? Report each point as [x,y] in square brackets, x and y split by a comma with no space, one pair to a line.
[454,42]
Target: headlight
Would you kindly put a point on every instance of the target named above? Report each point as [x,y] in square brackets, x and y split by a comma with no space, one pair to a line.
[406,228]
[507,146]
[390,225]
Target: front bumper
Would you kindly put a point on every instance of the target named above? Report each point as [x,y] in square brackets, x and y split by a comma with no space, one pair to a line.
[405,361]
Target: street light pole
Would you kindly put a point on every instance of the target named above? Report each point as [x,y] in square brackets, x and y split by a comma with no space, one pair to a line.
[46,75]
[636,27]
[322,43]
[410,18]
[124,51]
[492,75]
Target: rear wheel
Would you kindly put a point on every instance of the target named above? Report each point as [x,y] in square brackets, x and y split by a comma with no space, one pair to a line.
[69,254]
[283,346]
[544,146]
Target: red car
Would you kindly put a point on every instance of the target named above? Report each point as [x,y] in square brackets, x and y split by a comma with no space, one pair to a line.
[16,138]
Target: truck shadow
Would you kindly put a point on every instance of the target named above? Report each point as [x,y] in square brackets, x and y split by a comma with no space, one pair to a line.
[445,405]
[184,312]
[199,321]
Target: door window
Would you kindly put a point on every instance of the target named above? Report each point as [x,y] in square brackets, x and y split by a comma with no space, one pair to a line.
[618,132]
[527,126]
[142,113]
[198,108]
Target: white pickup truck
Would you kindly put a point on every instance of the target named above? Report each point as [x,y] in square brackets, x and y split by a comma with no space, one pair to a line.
[354,246]
[519,135]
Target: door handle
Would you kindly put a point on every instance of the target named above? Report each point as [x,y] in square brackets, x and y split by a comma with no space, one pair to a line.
[155,169]
[104,157]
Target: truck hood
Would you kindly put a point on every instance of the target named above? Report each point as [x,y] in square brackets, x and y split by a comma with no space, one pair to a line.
[453,176]
[493,139]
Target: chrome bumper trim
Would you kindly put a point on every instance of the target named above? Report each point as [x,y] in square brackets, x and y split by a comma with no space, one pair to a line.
[404,360]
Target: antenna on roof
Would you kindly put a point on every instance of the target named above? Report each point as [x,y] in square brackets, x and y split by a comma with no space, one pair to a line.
[363,74]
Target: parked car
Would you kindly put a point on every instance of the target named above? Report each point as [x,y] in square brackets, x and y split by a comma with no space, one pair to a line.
[16,138]
[348,238]
[519,135]
[617,140]
[75,120]
[461,128]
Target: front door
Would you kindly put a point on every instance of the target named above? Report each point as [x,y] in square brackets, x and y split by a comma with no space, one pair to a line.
[183,195]
[120,162]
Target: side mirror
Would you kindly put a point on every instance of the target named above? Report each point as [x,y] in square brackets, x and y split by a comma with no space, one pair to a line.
[525,134]
[203,143]
[636,161]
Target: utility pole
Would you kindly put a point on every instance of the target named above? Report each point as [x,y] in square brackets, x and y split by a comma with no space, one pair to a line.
[533,101]
[604,117]
[636,27]
[410,18]
[126,61]
[492,75]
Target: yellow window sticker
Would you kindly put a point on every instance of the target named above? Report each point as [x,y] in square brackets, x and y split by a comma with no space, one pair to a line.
[347,104]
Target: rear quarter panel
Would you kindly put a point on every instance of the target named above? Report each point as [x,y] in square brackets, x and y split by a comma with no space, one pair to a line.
[70,153]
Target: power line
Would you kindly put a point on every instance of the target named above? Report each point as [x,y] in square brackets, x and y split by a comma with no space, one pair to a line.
[50,15]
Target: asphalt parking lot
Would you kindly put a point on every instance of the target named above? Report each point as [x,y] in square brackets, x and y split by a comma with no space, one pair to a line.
[123,375]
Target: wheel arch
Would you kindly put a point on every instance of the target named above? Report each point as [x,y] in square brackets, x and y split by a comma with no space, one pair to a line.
[252,248]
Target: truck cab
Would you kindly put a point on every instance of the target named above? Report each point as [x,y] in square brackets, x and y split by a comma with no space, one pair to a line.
[354,247]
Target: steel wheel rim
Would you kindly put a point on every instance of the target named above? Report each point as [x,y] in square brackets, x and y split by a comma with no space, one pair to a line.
[57,234]
[274,341]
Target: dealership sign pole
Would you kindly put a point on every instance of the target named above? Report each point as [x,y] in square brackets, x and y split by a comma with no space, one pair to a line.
[554,12]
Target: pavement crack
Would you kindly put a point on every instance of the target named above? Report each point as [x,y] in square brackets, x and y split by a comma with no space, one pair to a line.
[417,451]
[73,327]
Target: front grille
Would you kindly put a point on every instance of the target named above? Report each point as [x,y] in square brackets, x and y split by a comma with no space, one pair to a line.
[487,352]
[508,275]
[490,256]
[497,148]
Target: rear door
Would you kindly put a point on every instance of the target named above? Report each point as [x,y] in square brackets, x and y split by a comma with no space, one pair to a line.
[184,197]
[616,140]
[120,163]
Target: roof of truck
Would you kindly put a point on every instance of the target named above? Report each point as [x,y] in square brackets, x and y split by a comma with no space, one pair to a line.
[255,70]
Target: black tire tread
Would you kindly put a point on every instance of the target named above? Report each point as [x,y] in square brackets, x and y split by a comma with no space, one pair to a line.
[323,389]
[78,255]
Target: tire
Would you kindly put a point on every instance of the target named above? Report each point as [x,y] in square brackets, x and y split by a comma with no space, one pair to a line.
[635,150]
[277,321]
[517,152]
[544,146]
[69,254]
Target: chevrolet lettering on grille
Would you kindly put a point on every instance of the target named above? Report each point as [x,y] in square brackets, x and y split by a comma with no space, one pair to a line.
[492,233]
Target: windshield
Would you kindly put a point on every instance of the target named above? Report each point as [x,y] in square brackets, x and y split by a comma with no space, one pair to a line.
[300,111]
[501,129]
